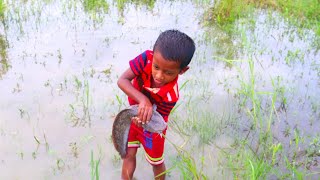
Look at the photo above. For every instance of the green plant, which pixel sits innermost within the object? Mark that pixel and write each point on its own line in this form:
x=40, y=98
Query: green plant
x=94, y=164
x=303, y=13
x=186, y=164
x=2, y=9
x=81, y=117
x=4, y=64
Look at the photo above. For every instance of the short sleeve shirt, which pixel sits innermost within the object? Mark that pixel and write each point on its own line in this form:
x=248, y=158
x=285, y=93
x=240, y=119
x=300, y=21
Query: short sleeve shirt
x=164, y=97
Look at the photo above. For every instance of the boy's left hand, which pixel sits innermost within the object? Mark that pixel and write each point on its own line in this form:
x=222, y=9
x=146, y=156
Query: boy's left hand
x=136, y=121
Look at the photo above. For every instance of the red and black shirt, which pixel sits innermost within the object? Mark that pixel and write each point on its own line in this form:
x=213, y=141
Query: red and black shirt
x=164, y=97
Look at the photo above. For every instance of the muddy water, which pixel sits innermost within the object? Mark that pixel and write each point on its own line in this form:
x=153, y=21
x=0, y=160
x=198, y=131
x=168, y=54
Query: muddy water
x=58, y=81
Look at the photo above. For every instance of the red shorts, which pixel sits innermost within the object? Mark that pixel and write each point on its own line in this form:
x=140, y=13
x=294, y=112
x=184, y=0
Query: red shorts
x=153, y=143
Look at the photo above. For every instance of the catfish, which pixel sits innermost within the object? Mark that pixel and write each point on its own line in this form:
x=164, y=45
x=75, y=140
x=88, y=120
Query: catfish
x=121, y=127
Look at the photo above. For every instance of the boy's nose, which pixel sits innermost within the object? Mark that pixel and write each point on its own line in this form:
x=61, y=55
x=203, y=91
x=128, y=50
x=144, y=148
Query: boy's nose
x=160, y=76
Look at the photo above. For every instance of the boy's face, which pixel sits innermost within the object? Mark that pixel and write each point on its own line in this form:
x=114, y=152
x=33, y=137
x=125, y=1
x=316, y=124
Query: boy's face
x=164, y=71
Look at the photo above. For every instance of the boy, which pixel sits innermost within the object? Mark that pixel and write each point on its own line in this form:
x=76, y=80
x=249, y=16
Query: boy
x=154, y=76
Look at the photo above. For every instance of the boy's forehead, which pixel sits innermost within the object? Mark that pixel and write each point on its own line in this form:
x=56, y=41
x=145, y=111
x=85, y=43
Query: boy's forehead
x=158, y=59
x=166, y=64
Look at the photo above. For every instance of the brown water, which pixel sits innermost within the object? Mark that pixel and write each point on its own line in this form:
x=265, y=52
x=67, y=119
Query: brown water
x=58, y=92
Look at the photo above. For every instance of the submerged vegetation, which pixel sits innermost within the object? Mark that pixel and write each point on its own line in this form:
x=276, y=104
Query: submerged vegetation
x=4, y=64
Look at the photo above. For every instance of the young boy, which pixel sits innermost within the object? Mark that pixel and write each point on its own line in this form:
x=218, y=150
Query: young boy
x=154, y=75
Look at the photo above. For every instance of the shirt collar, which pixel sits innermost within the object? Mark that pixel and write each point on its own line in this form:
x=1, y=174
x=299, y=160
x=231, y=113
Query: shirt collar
x=162, y=91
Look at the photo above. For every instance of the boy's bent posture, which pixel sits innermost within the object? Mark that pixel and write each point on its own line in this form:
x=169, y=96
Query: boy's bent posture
x=154, y=76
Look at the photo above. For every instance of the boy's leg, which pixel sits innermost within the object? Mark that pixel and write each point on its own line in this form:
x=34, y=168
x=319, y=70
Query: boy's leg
x=153, y=144
x=158, y=169
x=129, y=164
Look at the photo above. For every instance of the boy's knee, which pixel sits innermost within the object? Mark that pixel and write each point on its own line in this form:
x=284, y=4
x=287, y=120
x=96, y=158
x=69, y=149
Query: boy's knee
x=158, y=166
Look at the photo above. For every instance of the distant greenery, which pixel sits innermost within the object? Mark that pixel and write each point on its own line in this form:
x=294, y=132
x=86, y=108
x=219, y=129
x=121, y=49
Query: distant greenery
x=225, y=12
x=148, y=3
x=95, y=5
x=2, y=9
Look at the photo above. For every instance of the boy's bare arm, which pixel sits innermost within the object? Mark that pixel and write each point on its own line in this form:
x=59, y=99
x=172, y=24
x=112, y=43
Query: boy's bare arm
x=145, y=106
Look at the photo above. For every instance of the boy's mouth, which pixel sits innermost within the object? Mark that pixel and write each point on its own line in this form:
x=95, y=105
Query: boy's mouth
x=158, y=83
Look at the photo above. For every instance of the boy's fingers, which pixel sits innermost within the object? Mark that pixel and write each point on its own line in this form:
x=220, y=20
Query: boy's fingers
x=144, y=113
x=141, y=114
x=149, y=116
x=136, y=121
x=144, y=117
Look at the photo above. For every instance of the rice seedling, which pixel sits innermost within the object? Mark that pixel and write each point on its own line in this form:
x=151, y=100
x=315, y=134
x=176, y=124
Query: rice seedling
x=59, y=56
x=258, y=155
x=120, y=102
x=4, y=64
x=275, y=149
x=94, y=164
x=44, y=142
x=186, y=164
x=279, y=94
x=121, y=3
x=197, y=121
x=74, y=149
x=94, y=6
x=81, y=117
x=293, y=173
x=2, y=10
x=24, y=114
x=116, y=160
x=60, y=164
x=21, y=155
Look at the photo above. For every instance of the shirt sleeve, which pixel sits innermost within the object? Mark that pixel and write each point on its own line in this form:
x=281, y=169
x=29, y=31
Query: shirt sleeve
x=138, y=63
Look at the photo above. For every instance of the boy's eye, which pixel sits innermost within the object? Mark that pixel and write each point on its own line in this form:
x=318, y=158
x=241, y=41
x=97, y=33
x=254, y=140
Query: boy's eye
x=156, y=67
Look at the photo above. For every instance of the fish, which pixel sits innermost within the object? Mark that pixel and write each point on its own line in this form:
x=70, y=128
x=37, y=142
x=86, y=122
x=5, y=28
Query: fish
x=121, y=127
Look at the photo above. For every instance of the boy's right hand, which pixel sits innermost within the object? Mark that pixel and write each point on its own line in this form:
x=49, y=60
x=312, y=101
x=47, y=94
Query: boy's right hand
x=144, y=111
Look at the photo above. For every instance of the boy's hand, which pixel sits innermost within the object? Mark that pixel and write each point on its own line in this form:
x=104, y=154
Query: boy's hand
x=136, y=121
x=145, y=111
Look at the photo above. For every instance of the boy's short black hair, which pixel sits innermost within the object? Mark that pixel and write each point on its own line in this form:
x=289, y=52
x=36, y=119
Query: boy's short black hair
x=175, y=46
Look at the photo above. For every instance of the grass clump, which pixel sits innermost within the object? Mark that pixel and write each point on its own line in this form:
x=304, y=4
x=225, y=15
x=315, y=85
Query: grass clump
x=258, y=153
x=4, y=65
x=95, y=6
x=94, y=164
x=121, y=4
x=2, y=9
x=303, y=13
x=96, y=9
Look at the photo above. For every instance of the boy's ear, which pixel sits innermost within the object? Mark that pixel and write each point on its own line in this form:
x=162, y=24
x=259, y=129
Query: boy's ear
x=185, y=69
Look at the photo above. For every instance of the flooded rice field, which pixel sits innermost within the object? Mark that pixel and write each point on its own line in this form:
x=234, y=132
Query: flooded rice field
x=250, y=99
